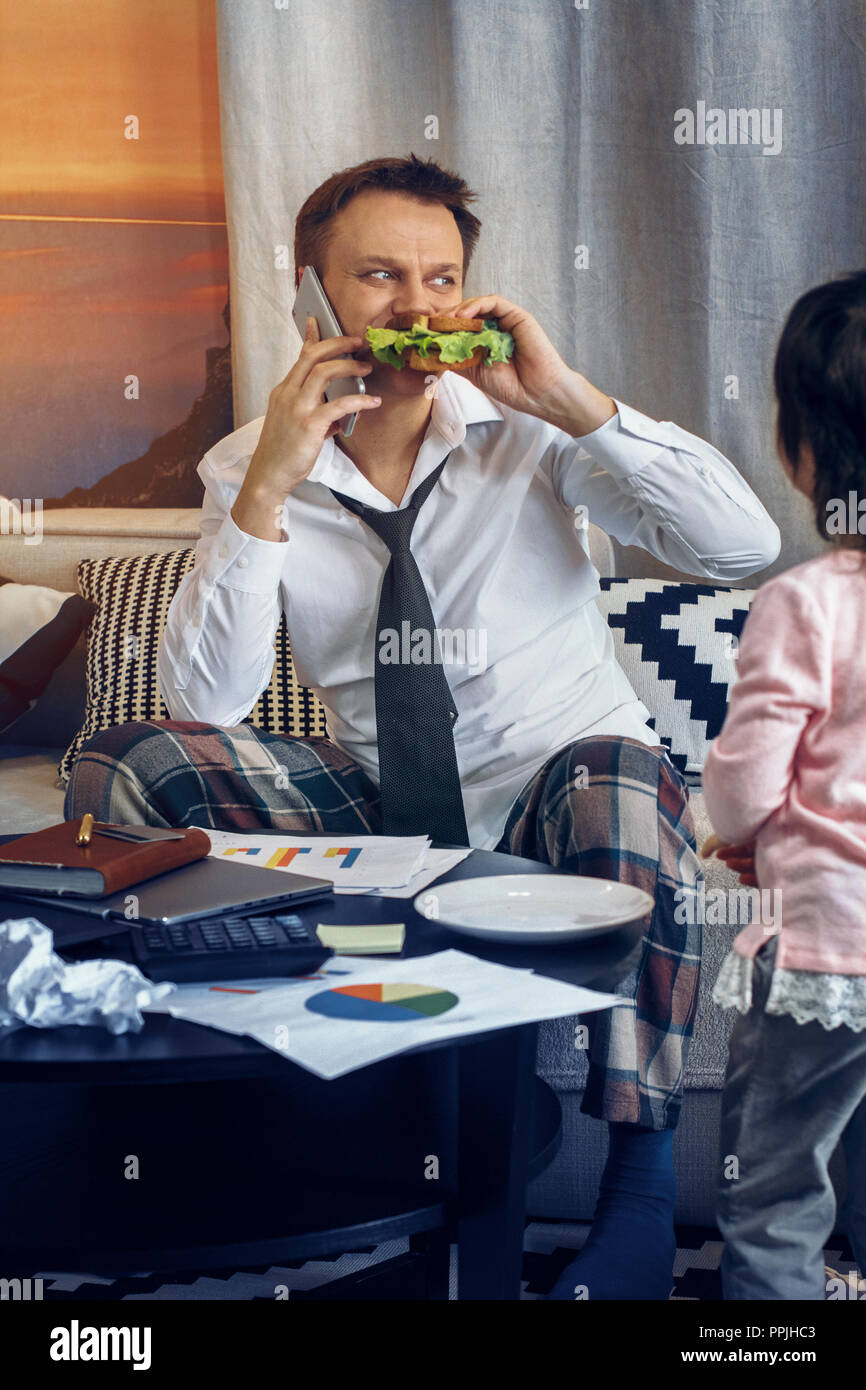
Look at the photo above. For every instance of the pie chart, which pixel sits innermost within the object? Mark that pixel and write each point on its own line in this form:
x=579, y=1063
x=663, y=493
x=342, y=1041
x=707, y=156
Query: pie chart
x=392, y=1003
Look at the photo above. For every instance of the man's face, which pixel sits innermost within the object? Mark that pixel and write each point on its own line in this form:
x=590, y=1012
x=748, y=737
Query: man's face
x=392, y=254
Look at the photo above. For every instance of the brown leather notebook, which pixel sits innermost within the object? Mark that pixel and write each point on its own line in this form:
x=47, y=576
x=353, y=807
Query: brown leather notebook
x=49, y=861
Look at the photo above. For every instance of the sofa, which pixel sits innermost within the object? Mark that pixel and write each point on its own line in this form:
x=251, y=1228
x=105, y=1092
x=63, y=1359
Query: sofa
x=31, y=796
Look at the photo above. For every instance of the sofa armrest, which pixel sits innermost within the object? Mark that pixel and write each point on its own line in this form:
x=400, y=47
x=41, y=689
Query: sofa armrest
x=71, y=534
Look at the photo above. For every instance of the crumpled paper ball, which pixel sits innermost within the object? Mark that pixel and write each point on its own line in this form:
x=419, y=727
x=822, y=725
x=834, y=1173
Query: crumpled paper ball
x=40, y=989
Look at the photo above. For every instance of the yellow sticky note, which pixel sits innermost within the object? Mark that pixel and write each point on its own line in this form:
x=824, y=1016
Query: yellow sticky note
x=382, y=938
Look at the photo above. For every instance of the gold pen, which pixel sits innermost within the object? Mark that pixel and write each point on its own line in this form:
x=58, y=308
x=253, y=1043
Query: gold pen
x=85, y=830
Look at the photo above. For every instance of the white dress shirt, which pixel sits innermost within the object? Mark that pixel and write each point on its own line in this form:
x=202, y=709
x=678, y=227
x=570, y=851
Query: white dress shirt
x=503, y=563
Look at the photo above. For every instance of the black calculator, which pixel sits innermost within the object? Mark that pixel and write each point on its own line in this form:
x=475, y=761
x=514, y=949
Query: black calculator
x=236, y=947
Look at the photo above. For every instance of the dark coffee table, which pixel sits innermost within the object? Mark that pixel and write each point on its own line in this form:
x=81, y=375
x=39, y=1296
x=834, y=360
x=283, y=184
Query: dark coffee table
x=185, y=1148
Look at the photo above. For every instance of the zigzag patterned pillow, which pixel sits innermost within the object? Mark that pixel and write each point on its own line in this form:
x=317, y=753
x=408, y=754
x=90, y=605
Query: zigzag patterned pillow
x=677, y=644
x=132, y=595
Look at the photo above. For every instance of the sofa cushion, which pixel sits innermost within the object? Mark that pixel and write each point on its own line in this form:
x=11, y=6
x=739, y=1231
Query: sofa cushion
x=67, y=535
x=677, y=644
x=131, y=595
x=38, y=629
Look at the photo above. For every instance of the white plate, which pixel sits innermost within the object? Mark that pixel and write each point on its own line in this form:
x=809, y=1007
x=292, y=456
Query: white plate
x=537, y=908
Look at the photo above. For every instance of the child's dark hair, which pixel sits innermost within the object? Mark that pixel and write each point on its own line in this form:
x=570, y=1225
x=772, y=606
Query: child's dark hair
x=820, y=380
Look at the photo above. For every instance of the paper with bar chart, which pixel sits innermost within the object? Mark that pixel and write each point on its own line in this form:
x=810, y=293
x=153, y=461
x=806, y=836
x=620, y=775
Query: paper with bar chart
x=400, y=865
x=352, y=861
x=351, y=1013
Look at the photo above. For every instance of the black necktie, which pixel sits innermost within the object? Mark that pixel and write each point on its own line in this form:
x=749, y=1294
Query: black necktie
x=419, y=781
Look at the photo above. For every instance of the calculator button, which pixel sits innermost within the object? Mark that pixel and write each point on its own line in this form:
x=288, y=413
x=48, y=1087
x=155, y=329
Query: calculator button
x=265, y=936
x=240, y=936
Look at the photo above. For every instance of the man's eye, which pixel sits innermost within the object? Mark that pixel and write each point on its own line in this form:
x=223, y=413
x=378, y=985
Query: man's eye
x=446, y=279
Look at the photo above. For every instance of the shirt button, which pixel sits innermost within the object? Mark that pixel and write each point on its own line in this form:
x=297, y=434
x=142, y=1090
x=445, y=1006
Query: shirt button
x=705, y=472
x=243, y=562
x=224, y=550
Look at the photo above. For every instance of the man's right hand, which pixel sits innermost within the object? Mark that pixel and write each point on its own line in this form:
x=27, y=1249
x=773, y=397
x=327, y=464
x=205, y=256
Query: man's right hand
x=297, y=423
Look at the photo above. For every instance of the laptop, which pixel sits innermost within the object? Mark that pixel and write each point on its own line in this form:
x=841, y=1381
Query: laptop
x=205, y=888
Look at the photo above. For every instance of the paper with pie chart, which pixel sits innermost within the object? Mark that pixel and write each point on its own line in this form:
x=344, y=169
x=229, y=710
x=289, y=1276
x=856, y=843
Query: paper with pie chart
x=351, y=1013
x=383, y=1003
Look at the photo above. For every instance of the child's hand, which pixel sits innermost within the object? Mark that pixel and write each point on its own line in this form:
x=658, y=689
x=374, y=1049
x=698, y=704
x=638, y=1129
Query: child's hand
x=740, y=858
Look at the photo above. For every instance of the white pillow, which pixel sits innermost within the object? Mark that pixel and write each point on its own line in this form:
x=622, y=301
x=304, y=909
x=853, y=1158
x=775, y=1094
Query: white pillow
x=38, y=629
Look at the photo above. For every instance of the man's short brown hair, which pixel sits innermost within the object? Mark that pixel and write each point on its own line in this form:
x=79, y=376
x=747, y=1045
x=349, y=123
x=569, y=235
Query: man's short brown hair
x=417, y=178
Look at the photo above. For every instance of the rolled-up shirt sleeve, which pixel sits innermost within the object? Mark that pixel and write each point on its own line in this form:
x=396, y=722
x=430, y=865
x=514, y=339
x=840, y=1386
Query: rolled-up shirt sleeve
x=652, y=484
x=217, y=650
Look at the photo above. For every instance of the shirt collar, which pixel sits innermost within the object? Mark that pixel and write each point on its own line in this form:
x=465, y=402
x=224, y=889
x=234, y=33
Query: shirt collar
x=456, y=404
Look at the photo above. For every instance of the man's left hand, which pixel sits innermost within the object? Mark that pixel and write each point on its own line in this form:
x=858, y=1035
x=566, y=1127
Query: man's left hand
x=536, y=380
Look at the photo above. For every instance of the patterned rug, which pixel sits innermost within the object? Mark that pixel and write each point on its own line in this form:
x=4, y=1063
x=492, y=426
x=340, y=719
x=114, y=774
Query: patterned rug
x=547, y=1250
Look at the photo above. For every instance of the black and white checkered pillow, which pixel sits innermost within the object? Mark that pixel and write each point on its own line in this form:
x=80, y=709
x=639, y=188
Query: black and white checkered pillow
x=677, y=644
x=132, y=595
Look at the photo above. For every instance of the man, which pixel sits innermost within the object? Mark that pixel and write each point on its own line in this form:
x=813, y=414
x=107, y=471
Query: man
x=549, y=754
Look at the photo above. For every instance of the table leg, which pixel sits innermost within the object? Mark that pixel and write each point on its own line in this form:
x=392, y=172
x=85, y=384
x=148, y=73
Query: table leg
x=495, y=1125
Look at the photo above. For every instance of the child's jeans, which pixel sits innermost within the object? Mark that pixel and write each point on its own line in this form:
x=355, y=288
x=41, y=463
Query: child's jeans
x=792, y=1090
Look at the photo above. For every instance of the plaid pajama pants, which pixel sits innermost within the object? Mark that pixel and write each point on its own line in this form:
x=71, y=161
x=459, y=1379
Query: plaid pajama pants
x=605, y=806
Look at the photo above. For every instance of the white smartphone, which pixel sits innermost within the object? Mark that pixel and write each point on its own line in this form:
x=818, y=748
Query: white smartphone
x=311, y=300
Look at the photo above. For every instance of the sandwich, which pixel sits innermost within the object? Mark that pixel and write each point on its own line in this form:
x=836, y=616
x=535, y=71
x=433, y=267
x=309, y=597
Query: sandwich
x=438, y=343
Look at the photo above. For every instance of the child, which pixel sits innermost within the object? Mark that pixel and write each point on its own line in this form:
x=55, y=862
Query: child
x=788, y=776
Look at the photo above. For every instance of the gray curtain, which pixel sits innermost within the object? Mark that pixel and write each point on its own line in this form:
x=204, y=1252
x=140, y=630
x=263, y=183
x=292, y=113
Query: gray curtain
x=568, y=119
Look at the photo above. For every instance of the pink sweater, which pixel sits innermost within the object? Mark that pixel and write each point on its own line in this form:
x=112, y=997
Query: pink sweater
x=790, y=762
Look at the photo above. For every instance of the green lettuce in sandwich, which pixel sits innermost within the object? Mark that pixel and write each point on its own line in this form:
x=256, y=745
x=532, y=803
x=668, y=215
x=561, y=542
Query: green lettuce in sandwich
x=438, y=343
